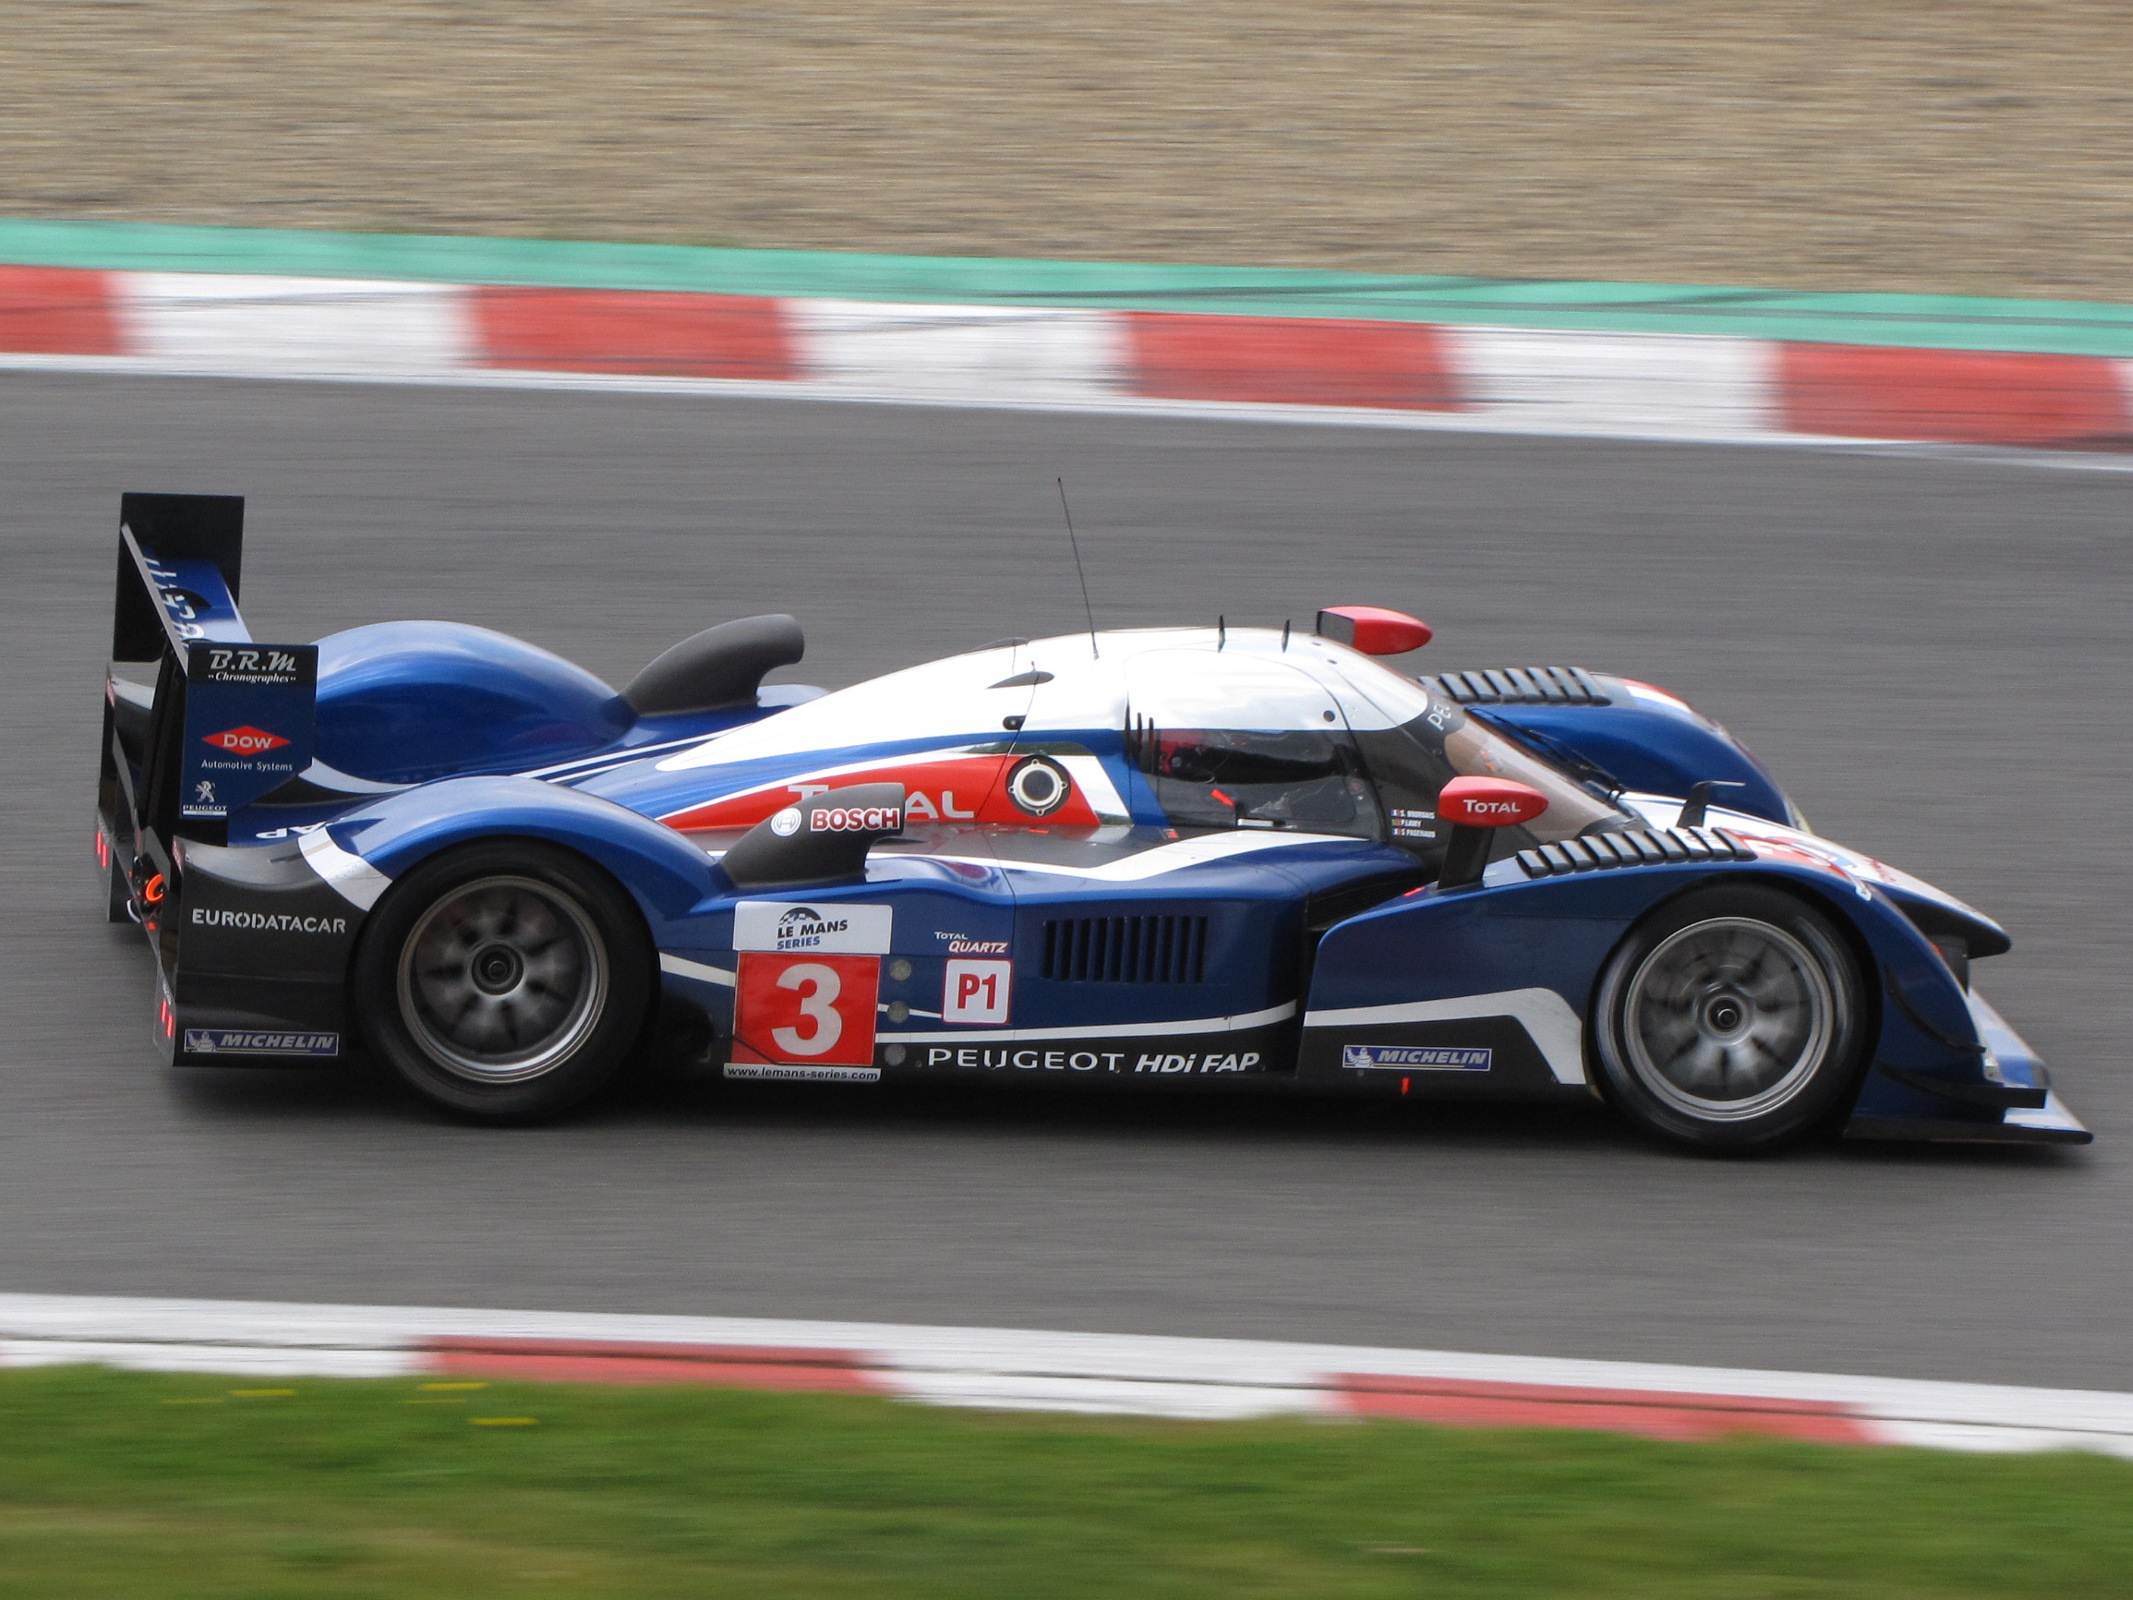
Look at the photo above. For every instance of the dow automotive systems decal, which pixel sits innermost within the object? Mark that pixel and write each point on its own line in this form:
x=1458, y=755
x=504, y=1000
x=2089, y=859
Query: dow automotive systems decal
x=249, y=721
x=245, y=741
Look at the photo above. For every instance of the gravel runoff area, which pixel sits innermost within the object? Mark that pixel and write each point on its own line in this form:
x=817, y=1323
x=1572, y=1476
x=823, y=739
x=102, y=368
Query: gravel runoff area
x=1945, y=145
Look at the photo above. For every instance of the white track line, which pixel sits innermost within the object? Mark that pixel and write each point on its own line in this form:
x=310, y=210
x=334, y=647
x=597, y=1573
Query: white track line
x=1013, y=1369
x=1507, y=424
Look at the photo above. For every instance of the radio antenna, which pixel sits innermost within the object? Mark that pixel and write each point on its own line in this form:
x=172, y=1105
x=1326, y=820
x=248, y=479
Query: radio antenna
x=1074, y=544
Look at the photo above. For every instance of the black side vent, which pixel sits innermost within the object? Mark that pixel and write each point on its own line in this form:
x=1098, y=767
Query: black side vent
x=1521, y=686
x=1635, y=847
x=1170, y=949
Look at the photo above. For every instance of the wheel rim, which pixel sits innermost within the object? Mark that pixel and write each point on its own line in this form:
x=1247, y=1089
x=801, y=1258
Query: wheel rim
x=1728, y=1019
x=502, y=979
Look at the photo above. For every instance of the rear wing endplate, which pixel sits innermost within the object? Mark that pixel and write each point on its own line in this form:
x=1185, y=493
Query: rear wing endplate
x=233, y=718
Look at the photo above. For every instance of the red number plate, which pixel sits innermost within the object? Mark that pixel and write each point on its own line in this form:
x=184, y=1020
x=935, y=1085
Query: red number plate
x=799, y=1006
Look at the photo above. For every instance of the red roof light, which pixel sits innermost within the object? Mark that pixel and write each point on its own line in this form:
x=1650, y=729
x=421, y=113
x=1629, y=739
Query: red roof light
x=1374, y=630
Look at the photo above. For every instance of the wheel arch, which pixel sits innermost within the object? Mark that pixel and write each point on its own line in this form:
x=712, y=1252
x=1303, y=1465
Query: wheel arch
x=587, y=890
x=1813, y=896
x=1816, y=896
x=666, y=876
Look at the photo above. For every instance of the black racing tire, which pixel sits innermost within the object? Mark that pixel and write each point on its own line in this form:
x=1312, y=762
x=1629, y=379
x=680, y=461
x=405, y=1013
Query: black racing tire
x=1732, y=1019
x=506, y=981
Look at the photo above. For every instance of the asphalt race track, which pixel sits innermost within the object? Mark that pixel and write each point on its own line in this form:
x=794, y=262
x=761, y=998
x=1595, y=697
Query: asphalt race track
x=1931, y=650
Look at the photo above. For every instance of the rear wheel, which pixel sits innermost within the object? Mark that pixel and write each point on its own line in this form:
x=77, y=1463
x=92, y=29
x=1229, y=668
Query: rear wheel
x=1731, y=1019
x=504, y=981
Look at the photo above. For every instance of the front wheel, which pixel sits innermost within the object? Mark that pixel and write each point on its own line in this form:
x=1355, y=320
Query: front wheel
x=1730, y=1019
x=504, y=981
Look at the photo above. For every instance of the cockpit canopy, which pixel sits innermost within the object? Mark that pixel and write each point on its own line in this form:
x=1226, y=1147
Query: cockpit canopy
x=1234, y=727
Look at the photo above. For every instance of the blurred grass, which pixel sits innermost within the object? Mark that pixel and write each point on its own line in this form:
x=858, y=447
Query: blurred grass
x=1964, y=146
x=181, y=1487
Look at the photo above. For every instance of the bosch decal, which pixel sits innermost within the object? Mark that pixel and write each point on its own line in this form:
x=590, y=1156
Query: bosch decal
x=1415, y=1058
x=855, y=819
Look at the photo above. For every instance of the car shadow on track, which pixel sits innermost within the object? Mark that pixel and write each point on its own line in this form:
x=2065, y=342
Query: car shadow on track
x=669, y=1099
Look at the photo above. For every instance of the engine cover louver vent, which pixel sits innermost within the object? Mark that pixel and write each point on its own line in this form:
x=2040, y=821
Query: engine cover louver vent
x=1638, y=847
x=1521, y=686
x=1157, y=949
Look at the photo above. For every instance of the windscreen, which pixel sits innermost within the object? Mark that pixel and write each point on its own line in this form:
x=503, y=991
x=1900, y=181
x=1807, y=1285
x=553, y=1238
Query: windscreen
x=1434, y=741
x=1242, y=742
x=1306, y=779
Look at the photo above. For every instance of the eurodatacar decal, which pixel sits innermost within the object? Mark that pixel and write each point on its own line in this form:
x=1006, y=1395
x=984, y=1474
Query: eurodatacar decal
x=1415, y=1058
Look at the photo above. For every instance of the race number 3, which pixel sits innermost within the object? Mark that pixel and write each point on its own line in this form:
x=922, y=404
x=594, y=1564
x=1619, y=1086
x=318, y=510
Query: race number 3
x=976, y=991
x=803, y=1006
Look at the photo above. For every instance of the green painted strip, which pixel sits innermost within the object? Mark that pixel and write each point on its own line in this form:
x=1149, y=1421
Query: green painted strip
x=2069, y=327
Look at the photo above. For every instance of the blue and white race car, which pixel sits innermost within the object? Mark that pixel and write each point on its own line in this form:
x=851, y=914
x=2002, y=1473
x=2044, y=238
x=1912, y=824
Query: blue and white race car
x=1192, y=858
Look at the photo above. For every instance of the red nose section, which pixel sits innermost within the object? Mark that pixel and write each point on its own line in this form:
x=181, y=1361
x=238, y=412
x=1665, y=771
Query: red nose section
x=1489, y=803
x=1374, y=630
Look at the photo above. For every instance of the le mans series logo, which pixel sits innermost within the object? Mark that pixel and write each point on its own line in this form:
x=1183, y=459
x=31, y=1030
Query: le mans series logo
x=805, y=928
x=782, y=925
x=1415, y=1058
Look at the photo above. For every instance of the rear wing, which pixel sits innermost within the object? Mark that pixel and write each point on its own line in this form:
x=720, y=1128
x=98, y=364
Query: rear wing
x=232, y=719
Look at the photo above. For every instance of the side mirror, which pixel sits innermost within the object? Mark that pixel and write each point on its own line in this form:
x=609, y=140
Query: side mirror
x=1476, y=808
x=823, y=839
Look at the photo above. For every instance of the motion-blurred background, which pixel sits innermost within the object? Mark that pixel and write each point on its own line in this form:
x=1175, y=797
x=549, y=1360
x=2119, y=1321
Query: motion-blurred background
x=1925, y=145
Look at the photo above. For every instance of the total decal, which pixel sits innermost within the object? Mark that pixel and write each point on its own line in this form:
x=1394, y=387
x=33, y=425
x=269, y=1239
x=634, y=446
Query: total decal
x=807, y=986
x=990, y=787
x=961, y=944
